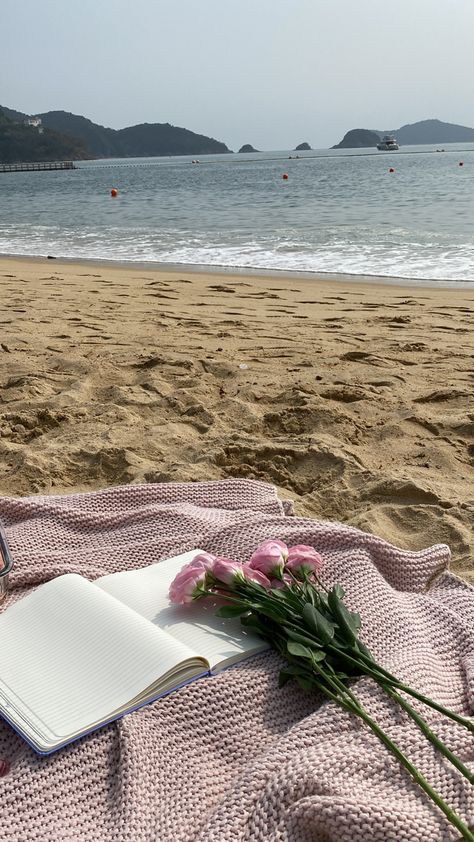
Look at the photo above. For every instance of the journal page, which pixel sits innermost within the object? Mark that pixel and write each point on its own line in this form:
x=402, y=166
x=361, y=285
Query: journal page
x=71, y=655
x=220, y=641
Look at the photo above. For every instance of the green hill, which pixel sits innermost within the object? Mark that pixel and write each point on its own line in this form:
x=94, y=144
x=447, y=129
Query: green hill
x=423, y=132
x=20, y=143
x=145, y=140
x=99, y=141
x=16, y=116
x=433, y=131
x=150, y=139
x=358, y=139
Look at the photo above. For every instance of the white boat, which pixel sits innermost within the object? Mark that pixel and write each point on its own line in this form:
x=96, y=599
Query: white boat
x=388, y=143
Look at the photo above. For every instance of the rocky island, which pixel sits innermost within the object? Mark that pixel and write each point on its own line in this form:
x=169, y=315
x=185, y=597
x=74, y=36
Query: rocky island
x=247, y=147
x=302, y=147
x=358, y=139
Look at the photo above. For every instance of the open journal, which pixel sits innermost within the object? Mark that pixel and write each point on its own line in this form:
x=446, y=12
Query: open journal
x=75, y=654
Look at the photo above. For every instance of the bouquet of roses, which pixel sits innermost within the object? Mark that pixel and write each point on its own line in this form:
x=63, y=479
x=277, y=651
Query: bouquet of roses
x=279, y=595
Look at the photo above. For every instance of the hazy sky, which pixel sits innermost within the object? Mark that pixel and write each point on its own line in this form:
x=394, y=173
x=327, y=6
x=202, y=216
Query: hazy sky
x=272, y=73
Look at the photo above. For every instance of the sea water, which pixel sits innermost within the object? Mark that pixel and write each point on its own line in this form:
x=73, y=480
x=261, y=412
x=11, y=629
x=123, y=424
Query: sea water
x=339, y=211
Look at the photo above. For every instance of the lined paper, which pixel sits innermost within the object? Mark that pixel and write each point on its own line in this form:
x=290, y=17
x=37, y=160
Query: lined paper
x=71, y=655
x=220, y=641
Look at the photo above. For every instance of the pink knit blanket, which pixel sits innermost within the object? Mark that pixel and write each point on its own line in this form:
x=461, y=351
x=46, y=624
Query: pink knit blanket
x=234, y=757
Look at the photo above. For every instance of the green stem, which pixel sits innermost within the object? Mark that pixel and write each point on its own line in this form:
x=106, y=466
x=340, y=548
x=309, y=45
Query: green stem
x=419, y=779
x=320, y=583
x=426, y=730
x=379, y=674
x=369, y=667
x=296, y=582
x=424, y=727
x=328, y=681
x=413, y=771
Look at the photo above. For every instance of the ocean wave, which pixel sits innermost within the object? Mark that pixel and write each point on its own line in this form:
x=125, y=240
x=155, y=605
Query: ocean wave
x=393, y=258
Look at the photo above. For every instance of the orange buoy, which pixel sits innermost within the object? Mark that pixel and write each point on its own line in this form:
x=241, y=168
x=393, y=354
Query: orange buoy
x=285, y=176
x=391, y=169
x=114, y=192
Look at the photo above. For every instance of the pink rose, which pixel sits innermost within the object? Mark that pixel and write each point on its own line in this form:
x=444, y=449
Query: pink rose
x=269, y=558
x=255, y=576
x=303, y=560
x=232, y=572
x=227, y=571
x=188, y=584
x=203, y=560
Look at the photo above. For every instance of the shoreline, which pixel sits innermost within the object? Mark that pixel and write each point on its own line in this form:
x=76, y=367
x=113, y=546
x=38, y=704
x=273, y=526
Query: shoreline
x=354, y=399
x=246, y=271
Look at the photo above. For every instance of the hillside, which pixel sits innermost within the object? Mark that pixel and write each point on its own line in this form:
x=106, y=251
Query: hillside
x=433, y=131
x=21, y=144
x=147, y=139
x=423, y=132
x=358, y=139
x=16, y=116
x=150, y=139
x=99, y=141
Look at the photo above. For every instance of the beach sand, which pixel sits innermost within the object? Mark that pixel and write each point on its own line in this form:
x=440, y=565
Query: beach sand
x=355, y=400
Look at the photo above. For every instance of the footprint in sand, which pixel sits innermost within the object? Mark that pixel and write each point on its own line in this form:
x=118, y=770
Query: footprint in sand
x=298, y=469
x=220, y=288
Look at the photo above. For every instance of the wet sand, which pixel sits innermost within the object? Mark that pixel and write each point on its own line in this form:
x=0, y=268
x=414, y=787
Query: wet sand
x=356, y=400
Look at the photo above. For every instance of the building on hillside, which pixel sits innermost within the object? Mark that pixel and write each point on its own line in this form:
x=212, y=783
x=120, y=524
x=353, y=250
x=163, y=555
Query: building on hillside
x=35, y=123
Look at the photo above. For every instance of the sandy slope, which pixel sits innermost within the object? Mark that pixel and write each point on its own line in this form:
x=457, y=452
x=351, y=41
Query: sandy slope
x=356, y=400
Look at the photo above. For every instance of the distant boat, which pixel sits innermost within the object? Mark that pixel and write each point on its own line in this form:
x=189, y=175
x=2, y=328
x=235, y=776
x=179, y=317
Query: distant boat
x=388, y=143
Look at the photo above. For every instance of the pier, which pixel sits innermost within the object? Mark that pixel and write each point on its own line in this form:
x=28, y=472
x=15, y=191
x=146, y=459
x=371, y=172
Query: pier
x=38, y=166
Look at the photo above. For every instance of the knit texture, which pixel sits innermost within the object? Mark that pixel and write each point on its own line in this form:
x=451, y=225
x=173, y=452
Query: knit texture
x=233, y=757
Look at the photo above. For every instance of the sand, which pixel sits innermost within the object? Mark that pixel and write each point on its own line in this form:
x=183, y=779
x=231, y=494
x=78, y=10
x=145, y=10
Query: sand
x=355, y=400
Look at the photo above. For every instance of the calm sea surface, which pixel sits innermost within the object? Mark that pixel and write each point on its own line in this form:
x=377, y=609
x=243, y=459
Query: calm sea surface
x=337, y=212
